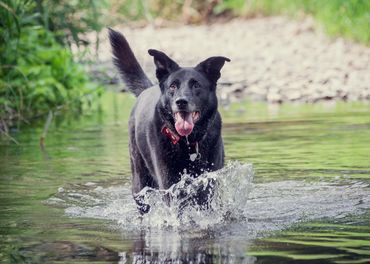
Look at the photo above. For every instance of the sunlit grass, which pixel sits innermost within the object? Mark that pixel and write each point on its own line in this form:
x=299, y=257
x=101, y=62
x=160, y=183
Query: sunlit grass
x=348, y=18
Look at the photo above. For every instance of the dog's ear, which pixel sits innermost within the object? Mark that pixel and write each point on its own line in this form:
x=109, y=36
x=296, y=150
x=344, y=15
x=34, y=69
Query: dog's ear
x=211, y=67
x=165, y=65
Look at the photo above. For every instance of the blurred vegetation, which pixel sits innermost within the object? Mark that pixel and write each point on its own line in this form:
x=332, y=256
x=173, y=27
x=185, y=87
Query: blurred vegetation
x=37, y=69
x=347, y=18
x=187, y=11
x=70, y=19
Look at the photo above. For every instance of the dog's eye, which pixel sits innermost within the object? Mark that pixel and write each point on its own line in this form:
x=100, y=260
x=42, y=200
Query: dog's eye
x=173, y=86
x=196, y=85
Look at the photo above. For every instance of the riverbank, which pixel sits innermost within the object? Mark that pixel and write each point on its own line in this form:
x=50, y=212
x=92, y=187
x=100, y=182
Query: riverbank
x=273, y=59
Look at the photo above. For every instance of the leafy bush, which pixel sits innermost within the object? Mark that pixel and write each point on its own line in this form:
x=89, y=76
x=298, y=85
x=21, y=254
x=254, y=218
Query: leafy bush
x=36, y=72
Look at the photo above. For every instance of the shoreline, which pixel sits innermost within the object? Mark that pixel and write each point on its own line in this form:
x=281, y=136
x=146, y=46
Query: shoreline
x=273, y=59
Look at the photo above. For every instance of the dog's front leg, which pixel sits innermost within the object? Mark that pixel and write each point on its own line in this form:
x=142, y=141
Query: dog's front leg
x=149, y=169
x=216, y=156
x=140, y=179
x=141, y=176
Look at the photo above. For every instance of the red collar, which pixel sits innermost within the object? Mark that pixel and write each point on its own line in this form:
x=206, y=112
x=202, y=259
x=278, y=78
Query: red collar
x=173, y=136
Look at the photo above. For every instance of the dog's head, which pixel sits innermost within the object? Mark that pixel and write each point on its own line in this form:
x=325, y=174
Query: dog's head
x=188, y=94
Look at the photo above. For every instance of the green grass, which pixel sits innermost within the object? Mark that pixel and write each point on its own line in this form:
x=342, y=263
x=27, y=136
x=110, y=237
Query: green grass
x=347, y=18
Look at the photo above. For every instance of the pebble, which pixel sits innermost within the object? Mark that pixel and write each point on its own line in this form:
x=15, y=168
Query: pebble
x=98, y=189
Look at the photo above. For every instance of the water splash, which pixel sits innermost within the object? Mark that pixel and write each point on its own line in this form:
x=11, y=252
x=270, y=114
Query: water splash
x=227, y=192
x=234, y=203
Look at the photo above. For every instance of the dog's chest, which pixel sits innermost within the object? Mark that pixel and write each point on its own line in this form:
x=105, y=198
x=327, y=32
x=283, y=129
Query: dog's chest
x=186, y=159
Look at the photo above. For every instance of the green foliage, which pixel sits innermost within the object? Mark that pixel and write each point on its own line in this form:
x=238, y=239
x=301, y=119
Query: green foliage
x=180, y=10
x=129, y=9
x=69, y=19
x=237, y=6
x=348, y=18
x=36, y=72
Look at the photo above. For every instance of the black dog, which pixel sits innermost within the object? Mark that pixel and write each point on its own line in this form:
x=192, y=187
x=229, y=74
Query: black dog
x=175, y=126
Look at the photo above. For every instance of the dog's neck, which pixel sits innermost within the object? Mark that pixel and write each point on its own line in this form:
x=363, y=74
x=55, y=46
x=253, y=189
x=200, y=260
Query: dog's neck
x=173, y=136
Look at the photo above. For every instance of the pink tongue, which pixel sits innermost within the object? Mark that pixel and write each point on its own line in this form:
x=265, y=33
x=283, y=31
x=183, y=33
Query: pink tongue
x=184, y=123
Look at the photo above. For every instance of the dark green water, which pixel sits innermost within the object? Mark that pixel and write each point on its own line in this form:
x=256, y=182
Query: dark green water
x=310, y=143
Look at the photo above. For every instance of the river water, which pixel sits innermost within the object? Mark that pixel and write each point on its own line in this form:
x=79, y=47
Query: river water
x=295, y=190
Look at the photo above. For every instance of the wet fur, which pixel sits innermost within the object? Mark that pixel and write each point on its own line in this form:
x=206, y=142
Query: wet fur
x=155, y=161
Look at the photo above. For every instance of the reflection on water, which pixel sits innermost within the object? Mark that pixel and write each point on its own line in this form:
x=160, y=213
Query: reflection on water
x=162, y=246
x=308, y=201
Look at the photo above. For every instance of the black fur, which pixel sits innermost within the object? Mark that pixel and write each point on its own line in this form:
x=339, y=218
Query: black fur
x=155, y=161
x=124, y=59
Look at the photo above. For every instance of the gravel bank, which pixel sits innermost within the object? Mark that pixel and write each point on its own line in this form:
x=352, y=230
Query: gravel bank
x=273, y=59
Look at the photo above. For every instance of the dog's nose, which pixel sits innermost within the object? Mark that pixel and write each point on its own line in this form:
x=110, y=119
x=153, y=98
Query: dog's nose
x=181, y=102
